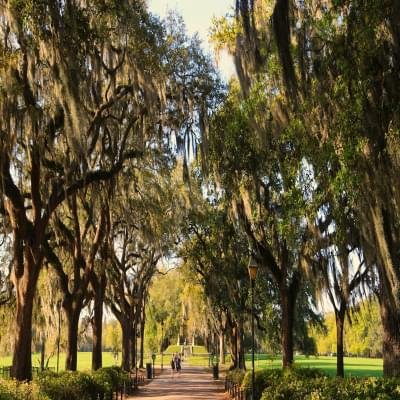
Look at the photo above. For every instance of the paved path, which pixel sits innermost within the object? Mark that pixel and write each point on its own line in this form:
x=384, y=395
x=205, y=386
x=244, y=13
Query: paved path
x=193, y=383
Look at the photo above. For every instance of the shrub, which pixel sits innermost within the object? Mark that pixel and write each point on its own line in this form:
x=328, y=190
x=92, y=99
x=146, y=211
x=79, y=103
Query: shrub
x=263, y=379
x=110, y=378
x=298, y=387
x=13, y=390
x=236, y=376
x=69, y=385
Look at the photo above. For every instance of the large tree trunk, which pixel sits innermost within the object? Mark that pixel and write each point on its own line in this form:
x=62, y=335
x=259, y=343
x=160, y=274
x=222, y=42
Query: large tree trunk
x=240, y=338
x=72, y=316
x=25, y=286
x=42, y=354
x=391, y=339
x=384, y=251
x=142, y=326
x=97, y=325
x=126, y=345
x=234, y=348
x=287, y=300
x=221, y=347
x=340, y=316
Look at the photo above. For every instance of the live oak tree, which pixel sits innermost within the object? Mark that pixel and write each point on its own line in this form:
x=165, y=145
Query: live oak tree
x=71, y=94
x=83, y=90
x=81, y=227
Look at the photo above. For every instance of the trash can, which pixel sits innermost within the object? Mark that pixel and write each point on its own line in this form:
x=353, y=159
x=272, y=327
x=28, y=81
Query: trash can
x=215, y=371
x=149, y=371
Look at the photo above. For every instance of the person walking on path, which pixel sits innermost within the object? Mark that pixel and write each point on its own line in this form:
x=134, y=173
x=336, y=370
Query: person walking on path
x=194, y=383
x=172, y=367
x=178, y=364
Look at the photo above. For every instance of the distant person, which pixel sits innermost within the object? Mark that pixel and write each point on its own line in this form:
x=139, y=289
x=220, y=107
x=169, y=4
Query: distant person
x=178, y=365
x=172, y=366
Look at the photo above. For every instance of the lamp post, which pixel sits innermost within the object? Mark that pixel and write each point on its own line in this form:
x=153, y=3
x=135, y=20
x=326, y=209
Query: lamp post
x=252, y=267
x=59, y=332
x=162, y=344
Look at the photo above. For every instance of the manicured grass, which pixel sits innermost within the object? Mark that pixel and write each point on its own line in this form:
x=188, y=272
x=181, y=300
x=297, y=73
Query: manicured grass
x=84, y=360
x=353, y=366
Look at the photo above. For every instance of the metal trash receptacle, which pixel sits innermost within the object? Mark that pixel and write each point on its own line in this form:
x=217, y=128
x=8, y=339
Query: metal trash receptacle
x=149, y=371
x=215, y=370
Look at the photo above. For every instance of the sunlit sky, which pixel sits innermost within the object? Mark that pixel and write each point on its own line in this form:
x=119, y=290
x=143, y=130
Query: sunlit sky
x=198, y=15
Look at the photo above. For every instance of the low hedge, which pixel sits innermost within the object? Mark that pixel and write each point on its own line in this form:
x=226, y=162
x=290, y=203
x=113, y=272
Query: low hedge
x=75, y=385
x=236, y=376
x=13, y=390
x=266, y=378
x=294, y=386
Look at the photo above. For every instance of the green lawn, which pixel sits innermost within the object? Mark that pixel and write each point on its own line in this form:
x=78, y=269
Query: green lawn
x=84, y=360
x=353, y=366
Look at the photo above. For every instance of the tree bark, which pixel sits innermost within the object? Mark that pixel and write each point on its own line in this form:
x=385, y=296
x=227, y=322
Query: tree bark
x=240, y=339
x=391, y=339
x=287, y=300
x=126, y=346
x=340, y=316
x=142, y=326
x=234, y=348
x=72, y=316
x=221, y=347
x=25, y=287
x=97, y=324
x=42, y=353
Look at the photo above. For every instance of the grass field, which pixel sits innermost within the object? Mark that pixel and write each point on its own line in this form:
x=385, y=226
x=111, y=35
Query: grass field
x=84, y=360
x=353, y=366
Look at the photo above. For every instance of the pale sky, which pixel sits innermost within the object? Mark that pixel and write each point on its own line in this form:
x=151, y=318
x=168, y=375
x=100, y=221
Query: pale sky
x=197, y=15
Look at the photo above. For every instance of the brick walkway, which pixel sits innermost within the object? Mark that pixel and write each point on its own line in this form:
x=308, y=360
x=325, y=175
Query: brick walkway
x=193, y=383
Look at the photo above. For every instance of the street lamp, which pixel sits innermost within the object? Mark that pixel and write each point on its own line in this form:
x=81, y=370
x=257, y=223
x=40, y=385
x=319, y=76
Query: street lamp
x=252, y=268
x=162, y=344
x=59, y=332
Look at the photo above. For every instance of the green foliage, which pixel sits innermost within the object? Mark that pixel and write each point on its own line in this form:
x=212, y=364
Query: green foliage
x=236, y=376
x=362, y=337
x=13, y=390
x=270, y=378
x=263, y=379
x=322, y=388
x=72, y=385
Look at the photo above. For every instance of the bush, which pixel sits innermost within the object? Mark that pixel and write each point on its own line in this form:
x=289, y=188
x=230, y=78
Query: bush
x=302, y=387
x=110, y=378
x=69, y=385
x=263, y=379
x=11, y=390
x=236, y=376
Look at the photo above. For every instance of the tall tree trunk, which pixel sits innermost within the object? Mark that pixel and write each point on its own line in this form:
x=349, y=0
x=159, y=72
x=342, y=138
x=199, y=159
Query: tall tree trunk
x=97, y=323
x=142, y=327
x=384, y=237
x=240, y=339
x=287, y=326
x=391, y=338
x=72, y=316
x=42, y=353
x=134, y=331
x=340, y=316
x=221, y=347
x=25, y=286
x=126, y=345
x=234, y=348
